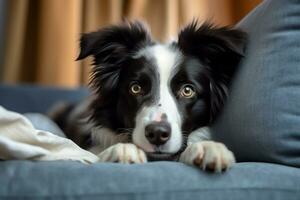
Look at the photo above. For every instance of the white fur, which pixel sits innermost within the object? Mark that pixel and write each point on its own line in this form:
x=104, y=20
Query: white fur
x=208, y=154
x=205, y=153
x=103, y=138
x=200, y=134
x=166, y=60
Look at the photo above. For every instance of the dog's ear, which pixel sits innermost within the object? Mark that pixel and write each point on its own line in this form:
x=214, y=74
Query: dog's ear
x=108, y=43
x=219, y=49
x=111, y=47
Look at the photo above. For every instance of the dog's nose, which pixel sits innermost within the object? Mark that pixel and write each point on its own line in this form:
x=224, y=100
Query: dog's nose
x=158, y=133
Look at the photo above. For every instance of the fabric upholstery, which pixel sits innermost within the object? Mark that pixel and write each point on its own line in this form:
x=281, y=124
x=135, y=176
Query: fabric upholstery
x=43, y=122
x=261, y=121
x=157, y=180
x=32, y=98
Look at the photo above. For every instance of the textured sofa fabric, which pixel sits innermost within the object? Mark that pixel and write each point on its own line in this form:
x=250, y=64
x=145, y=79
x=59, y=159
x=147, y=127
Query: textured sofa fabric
x=261, y=121
x=43, y=122
x=158, y=180
x=37, y=99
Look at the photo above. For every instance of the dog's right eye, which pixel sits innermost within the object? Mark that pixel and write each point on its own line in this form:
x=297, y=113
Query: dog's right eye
x=135, y=89
x=187, y=91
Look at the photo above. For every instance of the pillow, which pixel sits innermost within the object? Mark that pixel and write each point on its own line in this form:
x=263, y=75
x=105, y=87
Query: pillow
x=261, y=119
x=43, y=122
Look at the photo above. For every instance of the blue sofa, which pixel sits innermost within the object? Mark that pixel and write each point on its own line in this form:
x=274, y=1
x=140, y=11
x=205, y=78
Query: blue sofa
x=156, y=180
x=260, y=123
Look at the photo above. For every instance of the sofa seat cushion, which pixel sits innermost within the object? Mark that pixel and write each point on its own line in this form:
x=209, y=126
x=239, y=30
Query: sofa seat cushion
x=157, y=180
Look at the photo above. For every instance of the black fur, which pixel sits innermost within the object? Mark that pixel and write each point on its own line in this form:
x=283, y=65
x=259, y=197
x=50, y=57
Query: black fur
x=211, y=56
x=219, y=50
x=111, y=49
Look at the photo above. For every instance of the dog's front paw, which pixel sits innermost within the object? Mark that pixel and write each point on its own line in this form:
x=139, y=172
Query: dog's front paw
x=208, y=155
x=123, y=153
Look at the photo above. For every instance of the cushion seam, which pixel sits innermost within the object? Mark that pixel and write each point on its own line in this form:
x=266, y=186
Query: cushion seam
x=157, y=192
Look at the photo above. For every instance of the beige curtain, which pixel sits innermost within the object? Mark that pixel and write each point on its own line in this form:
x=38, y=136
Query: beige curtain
x=42, y=36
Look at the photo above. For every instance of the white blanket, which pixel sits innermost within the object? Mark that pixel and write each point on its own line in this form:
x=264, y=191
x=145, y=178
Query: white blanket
x=19, y=140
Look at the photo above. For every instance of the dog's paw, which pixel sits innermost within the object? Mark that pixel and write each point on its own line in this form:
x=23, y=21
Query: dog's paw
x=123, y=153
x=208, y=155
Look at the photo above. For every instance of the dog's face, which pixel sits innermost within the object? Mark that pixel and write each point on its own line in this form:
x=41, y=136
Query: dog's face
x=160, y=93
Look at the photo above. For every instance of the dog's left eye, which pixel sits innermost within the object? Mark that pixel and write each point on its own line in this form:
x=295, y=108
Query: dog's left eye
x=135, y=89
x=187, y=91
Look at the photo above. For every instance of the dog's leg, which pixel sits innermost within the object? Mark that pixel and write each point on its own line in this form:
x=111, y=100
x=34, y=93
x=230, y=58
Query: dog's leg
x=123, y=153
x=206, y=154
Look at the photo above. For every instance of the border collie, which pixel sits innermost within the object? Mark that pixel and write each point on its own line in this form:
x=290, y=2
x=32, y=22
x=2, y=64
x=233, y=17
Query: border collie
x=154, y=101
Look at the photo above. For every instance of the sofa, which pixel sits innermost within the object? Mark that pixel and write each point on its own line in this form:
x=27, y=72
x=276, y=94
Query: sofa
x=260, y=124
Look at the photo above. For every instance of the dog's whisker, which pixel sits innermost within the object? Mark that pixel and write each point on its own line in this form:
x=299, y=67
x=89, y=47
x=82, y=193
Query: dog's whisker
x=121, y=130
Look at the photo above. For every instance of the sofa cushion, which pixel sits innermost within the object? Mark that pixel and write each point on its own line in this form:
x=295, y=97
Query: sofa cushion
x=261, y=120
x=31, y=98
x=43, y=122
x=157, y=180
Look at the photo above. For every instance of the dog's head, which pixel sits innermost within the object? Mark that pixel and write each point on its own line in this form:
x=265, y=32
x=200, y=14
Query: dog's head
x=160, y=92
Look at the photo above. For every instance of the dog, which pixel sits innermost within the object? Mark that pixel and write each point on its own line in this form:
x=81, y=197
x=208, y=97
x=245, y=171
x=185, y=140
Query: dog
x=155, y=101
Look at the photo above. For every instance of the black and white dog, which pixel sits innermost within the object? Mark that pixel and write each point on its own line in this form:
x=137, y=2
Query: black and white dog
x=154, y=101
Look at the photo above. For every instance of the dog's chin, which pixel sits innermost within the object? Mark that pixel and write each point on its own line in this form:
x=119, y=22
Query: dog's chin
x=161, y=156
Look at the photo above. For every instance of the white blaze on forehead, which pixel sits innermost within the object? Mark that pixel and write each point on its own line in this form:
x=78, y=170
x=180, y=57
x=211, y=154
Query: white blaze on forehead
x=165, y=59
